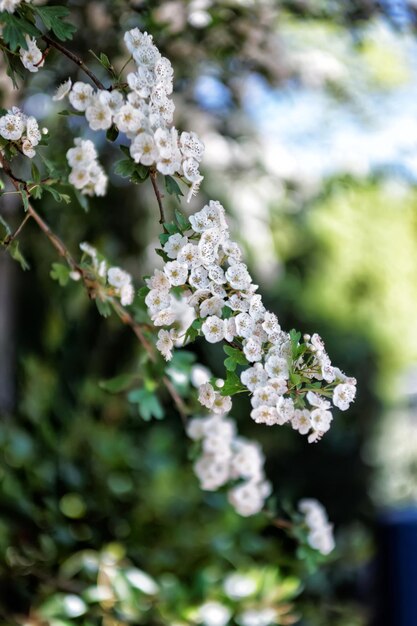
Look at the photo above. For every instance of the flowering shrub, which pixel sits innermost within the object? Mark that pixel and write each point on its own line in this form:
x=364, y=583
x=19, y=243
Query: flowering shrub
x=202, y=290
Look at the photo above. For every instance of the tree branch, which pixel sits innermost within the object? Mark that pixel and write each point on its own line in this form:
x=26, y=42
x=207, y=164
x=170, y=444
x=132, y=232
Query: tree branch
x=91, y=287
x=74, y=58
x=158, y=195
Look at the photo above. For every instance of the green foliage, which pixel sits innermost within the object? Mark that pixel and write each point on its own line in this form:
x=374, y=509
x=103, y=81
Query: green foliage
x=173, y=189
x=235, y=358
x=147, y=403
x=54, y=19
x=61, y=273
x=15, y=28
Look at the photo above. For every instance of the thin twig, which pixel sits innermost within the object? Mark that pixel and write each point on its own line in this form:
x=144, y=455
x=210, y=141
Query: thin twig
x=74, y=58
x=158, y=195
x=90, y=286
x=9, y=240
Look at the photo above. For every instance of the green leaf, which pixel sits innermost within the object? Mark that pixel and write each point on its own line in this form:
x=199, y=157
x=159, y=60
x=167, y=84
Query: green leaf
x=16, y=254
x=112, y=133
x=182, y=221
x=118, y=383
x=163, y=255
x=232, y=385
x=171, y=228
x=66, y=113
x=193, y=331
x=104, y=307
x=236, y=357
x=125, y=168
x=36, y=177
x=15, y=27
x=24, y=197
x=173, y=188
x=53, y=18
x=82, y=200
x=148, y=404
x=61, y=273
x=57, y=196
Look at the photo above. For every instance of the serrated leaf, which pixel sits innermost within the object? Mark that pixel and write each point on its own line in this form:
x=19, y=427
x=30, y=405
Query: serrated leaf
x=15, y=27
x=124, y=168
x=148, y=404
x=163, y=255
x=61, y=273
x=54, y=19
x=118, y=383
x=57, y=196
x=172, y=187
x=182, y=221
x=232, y=385
x=16, y=254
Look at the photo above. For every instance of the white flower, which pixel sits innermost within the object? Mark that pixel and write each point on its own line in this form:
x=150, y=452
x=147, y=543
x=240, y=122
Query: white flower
x=301, y=421
x=264, y=396
x=244, y=325
x=285, y=409
x=11, y=127
x=118, y=277
x=165, y=343
x=265, y=415
x=252, y=350
x=32, y=58
x=143, y=149
x=206, y=395
x=258, y=617
x=128, y=119
x=174, y=245
x=112, y=99
x=83, y=153
x=321, y=420
x=254, y=377
x=158, y=281
x=214, y=614
x=276, y=367
x=63, y=90
x=98, y=115
x=213, y=329
x=33, y=133
x=28, y=149
x=221, y=404
x=199, y=278
x=189, y=254
x=166, y=317
x=191, y=146
x=344, y=395
x=213, y=472
x=177, y=273
x=256, y=308
x=247, y=499
x=81, y=95
x=157, y=300
x=211, y=306
x=238, y=276
x=199, y=375
x=238, y=586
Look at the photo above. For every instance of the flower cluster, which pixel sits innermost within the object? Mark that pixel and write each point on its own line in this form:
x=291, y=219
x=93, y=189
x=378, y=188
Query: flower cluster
x=32, y=58
x=22, y=130
x=10, y=5
x=290, y=382
x=87, y=175
x=320, y=535
x=229, y=459
x=145, y=114
x=114, y=281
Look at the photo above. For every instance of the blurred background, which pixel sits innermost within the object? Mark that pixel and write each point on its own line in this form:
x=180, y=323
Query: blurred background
x=308, y=112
